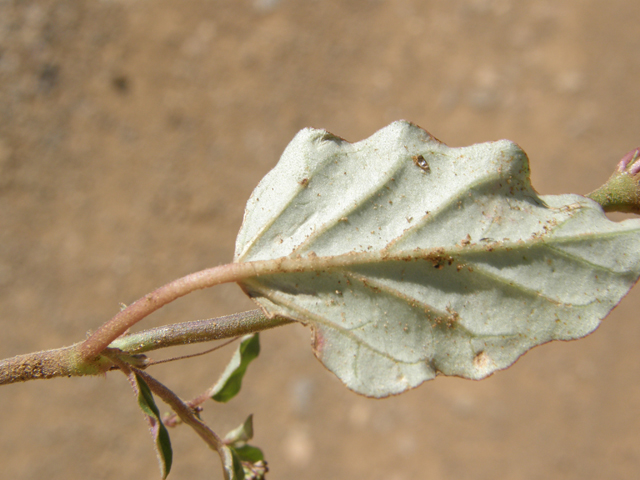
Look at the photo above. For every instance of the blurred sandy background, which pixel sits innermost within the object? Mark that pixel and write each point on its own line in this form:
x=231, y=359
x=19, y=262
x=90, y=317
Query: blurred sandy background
x=131, y=135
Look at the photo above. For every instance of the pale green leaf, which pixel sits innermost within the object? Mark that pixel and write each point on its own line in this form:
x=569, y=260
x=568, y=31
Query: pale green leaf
x=230, y=382
x=242, y=433
x=428, y=259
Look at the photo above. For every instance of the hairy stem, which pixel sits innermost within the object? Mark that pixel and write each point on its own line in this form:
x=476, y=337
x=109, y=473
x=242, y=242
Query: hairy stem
x=60, y=362
x=67, y=362
x=198, y=331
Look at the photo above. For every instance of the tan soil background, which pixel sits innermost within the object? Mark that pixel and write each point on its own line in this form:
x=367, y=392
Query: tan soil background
x=133, y=132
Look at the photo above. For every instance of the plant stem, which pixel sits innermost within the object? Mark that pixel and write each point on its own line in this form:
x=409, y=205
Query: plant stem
x=151, y=302
x=67, y=362
x=182, y=410
x=198, y=331
x=188, y=417
x=59, y=362
x=231, y=272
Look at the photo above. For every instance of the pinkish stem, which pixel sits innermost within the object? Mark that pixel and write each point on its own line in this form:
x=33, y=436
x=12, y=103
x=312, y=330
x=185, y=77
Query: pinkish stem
x=151, y=302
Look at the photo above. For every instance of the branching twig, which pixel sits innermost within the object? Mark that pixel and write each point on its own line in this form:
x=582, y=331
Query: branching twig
x=198, y=331
x=66, y=362
x=183, y=411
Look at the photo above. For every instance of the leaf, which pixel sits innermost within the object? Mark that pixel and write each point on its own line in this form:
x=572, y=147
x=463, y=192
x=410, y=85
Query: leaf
x=252, y=461
x=243, y=433
x=156, y=427
x=230, y=381
x=248, y=453
x=410, y=259
x=250, y=457
x=231, y=464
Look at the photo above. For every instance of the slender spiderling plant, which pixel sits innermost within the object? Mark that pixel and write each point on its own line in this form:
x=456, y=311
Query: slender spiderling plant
x=407, y=259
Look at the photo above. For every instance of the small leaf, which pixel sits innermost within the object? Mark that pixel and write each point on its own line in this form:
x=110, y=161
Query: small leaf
x=243, y=433
x=230, y=382
x=252, y=461
x=248, y=453
x=410, y=259
x=156, y=427
x=252, y=458
x=231, y=464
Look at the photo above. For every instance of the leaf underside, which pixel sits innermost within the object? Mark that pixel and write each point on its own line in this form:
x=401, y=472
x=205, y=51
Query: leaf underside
x=438, y=260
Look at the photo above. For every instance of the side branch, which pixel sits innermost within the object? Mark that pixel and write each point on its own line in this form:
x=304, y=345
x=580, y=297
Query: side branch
x=198, y=331
x=183, y=411
x=67, y=361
